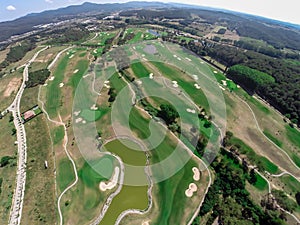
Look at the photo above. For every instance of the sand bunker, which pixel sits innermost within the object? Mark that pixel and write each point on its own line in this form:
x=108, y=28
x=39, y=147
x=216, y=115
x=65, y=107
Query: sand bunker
x=51, y=78
x=139, y=82
x=147, y=222
x=71, y=56
x=112, y=183
x=77, y=113
x=78, y=120
x=83, y=121
x=94, y=107
x=188, y=59
x=197, y=86
x=215, y=71
x=175, y=83
x=151, y=75
x=190, y=191
x=224, y=82
x=191, y=110
x=195, y=77
x=107, y=86
x=75, y=71
x=45, y=85
x=221, y=88
x=85, y=76
x=196, y=172
x=61, y=85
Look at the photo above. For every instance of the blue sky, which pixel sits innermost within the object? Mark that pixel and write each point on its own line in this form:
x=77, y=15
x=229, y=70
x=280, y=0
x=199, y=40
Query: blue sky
x=287, y=10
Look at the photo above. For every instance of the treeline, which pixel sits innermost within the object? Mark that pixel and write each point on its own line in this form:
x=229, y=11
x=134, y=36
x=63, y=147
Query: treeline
x=161, y=14
x=17, y=52
x=229, y=201
x=37, y=78
x=253, y=80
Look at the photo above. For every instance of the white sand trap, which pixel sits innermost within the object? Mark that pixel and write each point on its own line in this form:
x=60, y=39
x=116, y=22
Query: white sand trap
x=202, y=62
x=147, y=222
x=78, y=120
x=195, y=77
x=175, y=85
x=215, y=71
x=190, y=191
x=151, y=75
x=61, y=85
x=112, y=183
x=51, y=78
x=95, y=51
x=85, y=76
x=221, y=87
x=175, y=56
x=179, y=58
x=71, y=56
x=45, y=85
x=94, y=107
x=77, y=113
x=238, y=86
x=197, y=86
x=193, y=111
x=106, y=82
x=196, y=172
x=139, y=82
x=188, y=59
x=224, y=82
x=143, y=55
x=83, y=121
x=134, y=47
x=75, y=71
x=107, y=86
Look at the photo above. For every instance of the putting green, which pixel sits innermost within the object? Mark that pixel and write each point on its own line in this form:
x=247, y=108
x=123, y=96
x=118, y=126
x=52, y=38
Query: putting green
x=91, y=115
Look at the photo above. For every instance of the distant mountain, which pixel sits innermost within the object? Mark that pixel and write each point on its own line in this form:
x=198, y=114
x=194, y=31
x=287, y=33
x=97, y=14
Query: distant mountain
x=26, y=23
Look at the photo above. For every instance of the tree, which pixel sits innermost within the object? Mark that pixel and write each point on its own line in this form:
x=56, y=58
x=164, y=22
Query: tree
x=252, y=178
x=168, y=113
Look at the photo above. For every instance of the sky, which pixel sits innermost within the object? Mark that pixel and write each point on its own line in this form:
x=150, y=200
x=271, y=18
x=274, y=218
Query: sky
x=284, y=10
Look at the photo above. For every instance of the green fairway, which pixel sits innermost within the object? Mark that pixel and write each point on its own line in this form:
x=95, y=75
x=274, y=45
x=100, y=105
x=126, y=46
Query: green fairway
x=65, y=174
x=293, y=135
x=53, y=90
x=268, y=165
x=272, y=138
x=81, y=68
x=58, y=134
x=140, y=70
x=173, y=74
x=292, y=184
x=92, y=178
x=92, y=115
x=261, y=184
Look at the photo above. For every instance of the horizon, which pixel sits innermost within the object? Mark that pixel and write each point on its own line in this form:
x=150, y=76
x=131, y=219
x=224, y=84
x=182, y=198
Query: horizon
x=16, y=9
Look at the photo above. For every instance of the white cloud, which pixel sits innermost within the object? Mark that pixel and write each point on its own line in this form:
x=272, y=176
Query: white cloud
x=11, y=8
x=49, y=1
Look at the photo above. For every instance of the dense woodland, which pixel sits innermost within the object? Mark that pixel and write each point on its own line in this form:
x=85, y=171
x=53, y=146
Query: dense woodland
x=37, y=78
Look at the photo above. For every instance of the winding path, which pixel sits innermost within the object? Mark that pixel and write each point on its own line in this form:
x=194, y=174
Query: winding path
x=18, y=197
x=65, y=143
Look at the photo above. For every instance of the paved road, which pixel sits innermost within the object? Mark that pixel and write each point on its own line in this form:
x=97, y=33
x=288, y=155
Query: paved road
x=17, y=205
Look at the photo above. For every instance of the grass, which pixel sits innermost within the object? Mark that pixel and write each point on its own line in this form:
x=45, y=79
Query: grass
x=272, y=138
x=58, y=134
x=261, y=184
x=140, y=70
x=65, y=174
x=82, y=67
x=173, y=74
x=293, y=135
x=53, y=96
x=268, y=165
x=292, y=184
x=92, y=115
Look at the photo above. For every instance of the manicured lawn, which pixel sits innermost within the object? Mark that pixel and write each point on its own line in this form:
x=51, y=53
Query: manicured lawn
x=58, y=134
x=53, y=89
x=269, y=166
x=82, y=67
x=272, y=138
x=261, y=184
x=291, y=183
x=92, y=115
x=65, y=174
x=140, y=70
x=293, y=135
